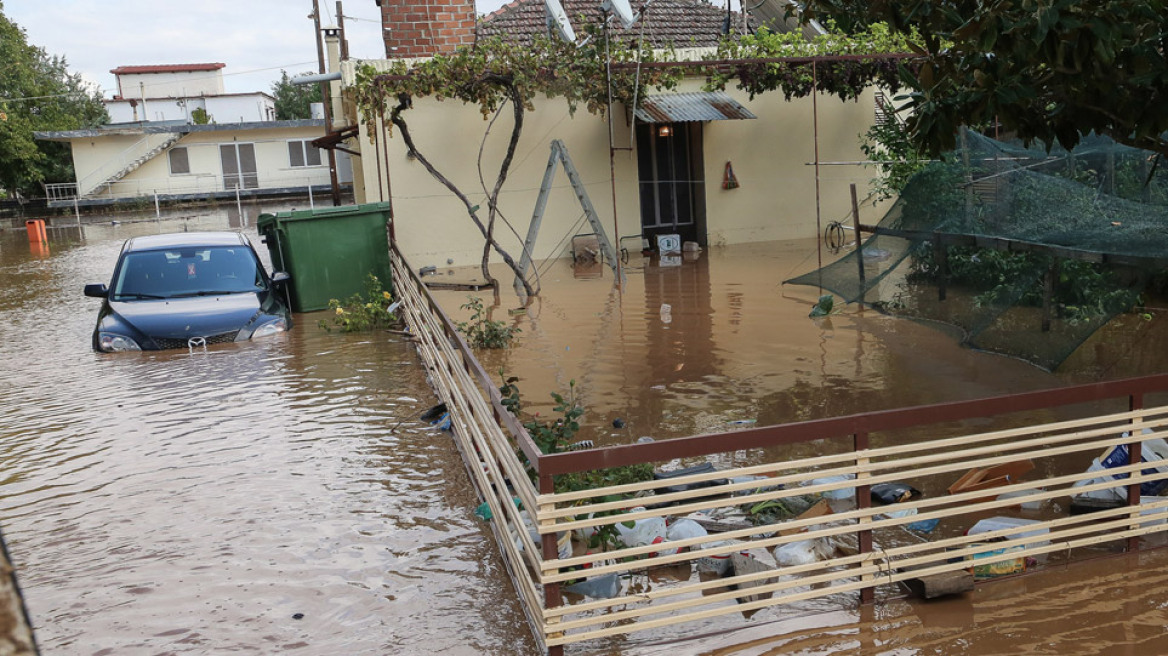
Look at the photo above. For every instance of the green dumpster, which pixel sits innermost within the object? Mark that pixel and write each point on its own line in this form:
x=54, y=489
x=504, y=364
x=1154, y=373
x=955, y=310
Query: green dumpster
x=329, y=252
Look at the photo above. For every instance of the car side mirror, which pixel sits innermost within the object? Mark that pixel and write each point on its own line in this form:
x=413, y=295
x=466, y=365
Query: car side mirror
x=280, y=277
x=96, y=290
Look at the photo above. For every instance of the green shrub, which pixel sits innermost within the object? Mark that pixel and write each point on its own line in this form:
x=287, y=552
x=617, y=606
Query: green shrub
x=481, y=332
x=362, y=312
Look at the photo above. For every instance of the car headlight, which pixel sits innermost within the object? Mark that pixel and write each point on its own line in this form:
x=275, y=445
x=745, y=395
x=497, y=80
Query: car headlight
x=270, y=328
x=113, y=342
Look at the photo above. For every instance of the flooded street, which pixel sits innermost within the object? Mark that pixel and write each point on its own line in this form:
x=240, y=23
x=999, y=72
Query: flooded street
x=282, y=496
x=199, y=503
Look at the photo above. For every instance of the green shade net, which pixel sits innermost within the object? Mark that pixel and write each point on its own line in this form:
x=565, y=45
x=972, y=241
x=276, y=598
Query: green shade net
x=1029, y=252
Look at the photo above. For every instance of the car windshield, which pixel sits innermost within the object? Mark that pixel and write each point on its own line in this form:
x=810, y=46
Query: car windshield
x=192, y=271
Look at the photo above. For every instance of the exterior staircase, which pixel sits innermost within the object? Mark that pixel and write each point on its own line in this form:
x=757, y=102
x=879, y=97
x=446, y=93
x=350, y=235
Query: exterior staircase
x=131, y=165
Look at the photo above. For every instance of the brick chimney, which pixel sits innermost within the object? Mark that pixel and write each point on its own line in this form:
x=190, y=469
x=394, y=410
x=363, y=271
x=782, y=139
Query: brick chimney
x=422, y=28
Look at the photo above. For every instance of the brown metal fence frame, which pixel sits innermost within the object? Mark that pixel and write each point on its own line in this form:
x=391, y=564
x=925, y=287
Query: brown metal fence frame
x=494, y=468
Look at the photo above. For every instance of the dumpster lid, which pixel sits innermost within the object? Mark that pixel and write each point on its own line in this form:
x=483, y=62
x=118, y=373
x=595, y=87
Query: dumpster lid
x=323, y=213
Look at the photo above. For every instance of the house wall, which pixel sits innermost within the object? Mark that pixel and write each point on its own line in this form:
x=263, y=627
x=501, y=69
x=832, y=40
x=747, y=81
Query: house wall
x=776, y=199
x=232, y=108
x=170, y=85
x=93, y=157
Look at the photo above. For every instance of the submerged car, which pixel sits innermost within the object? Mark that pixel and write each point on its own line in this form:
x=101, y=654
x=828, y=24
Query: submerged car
x=186, y=290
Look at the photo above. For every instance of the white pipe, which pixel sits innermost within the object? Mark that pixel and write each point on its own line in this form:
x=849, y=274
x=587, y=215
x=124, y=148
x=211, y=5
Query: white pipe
x=316, y=79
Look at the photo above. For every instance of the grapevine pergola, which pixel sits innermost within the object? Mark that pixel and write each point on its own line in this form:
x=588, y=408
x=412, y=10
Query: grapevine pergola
x=495, y=74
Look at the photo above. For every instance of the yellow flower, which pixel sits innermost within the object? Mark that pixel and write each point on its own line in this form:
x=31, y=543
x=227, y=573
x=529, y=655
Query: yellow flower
x=340, y=310
x=386, y=295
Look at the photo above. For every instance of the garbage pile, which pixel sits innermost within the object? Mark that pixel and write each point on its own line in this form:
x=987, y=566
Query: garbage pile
x=991, y=559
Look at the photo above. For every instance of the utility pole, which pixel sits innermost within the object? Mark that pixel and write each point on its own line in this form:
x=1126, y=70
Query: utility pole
x=324, y=96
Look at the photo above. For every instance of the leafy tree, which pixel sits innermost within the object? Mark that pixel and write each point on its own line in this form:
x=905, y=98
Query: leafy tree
x=1049, y=70
x=37, y=93
x=294, y=101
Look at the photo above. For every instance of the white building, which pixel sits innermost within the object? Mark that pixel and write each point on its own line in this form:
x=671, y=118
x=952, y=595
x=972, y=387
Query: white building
x=174, y=134
x=172, y=92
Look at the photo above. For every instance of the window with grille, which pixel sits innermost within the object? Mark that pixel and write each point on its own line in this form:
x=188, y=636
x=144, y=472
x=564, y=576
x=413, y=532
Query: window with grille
x=179, y=162
x=302, y=153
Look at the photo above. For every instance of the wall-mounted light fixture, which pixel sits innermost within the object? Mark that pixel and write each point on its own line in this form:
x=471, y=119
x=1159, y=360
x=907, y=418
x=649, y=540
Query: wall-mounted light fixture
x=665, y=131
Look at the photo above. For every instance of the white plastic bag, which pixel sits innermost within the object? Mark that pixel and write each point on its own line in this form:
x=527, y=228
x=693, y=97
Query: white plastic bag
x=842, y=493
x=643, y=531
x=804, y=552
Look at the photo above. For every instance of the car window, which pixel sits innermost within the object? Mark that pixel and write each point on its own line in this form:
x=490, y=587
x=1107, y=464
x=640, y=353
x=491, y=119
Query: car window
x=188, y=272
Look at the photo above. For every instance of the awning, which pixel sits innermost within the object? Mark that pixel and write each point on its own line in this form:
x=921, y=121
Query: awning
x=683, y=107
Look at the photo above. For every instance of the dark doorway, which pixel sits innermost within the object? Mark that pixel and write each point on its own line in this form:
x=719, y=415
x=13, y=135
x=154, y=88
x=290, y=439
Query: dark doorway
x=673, y=191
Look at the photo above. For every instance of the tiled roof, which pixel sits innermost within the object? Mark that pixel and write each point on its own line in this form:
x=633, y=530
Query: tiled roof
x=166, y=68
x=680, y=23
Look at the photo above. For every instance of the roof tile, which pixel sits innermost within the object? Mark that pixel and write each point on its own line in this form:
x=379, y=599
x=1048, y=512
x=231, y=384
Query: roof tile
x=678, y=23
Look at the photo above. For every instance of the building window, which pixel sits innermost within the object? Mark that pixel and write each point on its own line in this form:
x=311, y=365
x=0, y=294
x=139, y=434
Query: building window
x=178, y=161
x=302, y=153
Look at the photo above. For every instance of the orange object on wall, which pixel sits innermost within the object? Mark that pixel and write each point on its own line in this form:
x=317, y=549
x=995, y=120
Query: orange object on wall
x=36, y=231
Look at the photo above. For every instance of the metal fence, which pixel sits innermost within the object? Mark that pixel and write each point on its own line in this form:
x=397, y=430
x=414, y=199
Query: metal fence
x=859, y=546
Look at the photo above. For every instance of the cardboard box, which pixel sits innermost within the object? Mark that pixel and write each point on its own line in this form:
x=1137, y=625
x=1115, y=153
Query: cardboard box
x=984, y=478
x=820, y=509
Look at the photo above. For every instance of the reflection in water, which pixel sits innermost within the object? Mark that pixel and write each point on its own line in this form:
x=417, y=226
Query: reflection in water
x=283, y=496
x=718, y=343
x=260, y=497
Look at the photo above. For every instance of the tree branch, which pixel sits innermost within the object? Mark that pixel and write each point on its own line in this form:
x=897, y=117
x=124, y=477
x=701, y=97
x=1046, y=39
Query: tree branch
x=395, y=117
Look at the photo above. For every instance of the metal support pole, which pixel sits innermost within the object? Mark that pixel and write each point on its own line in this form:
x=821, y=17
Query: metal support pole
x=618, y=273
x=859, y=244
x=815, y=134
x=311, y=200
x=157, y=208
x=388, y=187
x=377, y=152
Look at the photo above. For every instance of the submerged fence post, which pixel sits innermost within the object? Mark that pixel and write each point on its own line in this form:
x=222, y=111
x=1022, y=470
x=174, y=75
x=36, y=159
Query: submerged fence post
x=941, y=259
x=863, y=502
x=1049, y=282
x=1134, y=455
x=551, y=551
x=77, y=211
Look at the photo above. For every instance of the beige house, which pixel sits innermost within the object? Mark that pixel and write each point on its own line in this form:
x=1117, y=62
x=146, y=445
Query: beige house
x=669, y=163
x=156, y=146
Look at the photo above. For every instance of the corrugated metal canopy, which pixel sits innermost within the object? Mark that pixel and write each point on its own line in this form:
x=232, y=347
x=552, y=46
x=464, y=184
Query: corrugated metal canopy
x=698, y=106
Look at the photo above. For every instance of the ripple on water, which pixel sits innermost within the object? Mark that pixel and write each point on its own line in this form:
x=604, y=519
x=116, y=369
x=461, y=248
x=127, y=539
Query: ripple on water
x=197, y=502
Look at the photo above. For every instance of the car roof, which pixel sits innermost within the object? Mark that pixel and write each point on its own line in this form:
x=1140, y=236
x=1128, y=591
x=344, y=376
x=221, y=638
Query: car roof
x=184, y=240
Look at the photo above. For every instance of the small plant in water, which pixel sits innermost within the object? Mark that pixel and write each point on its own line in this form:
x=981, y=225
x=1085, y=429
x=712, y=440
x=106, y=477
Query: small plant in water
x=555, y=436
x=362, y=312
x=481, y=332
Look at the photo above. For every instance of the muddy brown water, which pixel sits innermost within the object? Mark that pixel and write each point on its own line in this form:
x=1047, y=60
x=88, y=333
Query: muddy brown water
x=284, y=497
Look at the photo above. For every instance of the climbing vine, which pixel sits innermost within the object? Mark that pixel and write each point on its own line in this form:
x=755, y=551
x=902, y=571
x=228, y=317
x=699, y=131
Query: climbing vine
x=496, y=74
